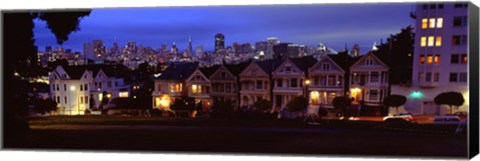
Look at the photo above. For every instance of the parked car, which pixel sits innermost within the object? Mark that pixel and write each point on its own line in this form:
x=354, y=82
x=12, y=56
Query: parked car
x=462, y=114
x=447, y=120
x=400, y=118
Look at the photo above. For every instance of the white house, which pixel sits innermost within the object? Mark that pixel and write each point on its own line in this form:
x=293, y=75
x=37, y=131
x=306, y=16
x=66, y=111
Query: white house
x=199, y=86
x=327, y=82
x=255, y=82
x=171, y=85
x=74, y=87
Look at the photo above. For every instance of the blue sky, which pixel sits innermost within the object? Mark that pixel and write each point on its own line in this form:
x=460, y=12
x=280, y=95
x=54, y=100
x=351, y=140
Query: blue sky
x=332, y=24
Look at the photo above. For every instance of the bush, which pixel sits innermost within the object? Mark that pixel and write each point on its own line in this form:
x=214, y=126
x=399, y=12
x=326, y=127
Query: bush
x=262, y=105
x=297, y=104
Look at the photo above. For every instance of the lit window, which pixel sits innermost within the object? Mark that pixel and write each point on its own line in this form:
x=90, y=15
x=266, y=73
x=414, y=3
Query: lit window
x=123, y=94
x=422, y=59
x=436, y=59
x=464, y=58
x=431, y=23
x=430, y=40
x=439, y=22
x=172, y=88
x=423, y=41
x=429, y=59
x=438, y=41
x=424, y=23
x=373, y=95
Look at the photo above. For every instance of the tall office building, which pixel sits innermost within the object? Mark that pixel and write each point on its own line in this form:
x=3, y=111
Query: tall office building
x=440, y=56
x=99, y=49
x=219, y=41
x=190, y=48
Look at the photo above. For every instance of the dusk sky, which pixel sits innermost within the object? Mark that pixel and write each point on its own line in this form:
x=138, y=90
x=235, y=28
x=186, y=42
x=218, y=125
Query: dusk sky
x=332, y=24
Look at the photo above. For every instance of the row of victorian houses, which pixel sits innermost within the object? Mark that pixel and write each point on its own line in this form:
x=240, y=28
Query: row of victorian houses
x=363, y=78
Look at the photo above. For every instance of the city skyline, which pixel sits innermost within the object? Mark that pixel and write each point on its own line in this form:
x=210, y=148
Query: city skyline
x=309, y=25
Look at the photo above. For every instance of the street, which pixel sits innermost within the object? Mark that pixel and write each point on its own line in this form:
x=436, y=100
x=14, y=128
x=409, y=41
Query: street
x=319, y=140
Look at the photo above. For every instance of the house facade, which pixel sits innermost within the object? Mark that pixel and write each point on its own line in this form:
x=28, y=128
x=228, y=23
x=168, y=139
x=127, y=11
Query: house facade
x=327, y=82
x=199, y=86
x=368, y=81
x=255, y=82
x=225, y=84
x=80, y=88
x=171, y=85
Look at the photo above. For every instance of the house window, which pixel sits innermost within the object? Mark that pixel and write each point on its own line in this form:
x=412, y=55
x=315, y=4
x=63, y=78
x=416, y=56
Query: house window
x=279, y=83
x=64, y=87
x=331, y=80
x=374, y=77
x=431, y=23
x=459, y=40
x=330, y=97
x=259, y=84
x=196, y=89
x=420, y=76
x=436, y=59
x=58, y=87
x=172, y=88
x=109, y=84
x=453, y=77
x=425, y=7
x=325, y=66
x=430, y=41
x=100, y=85
x=86, y=87
x=459, y=21
x=228, y=87
x=81, y=87
x=293, y=82
x=116, y=84
x=455, y=59
x=369, y=61
x=159, y=87
x=464, y=59
x=424, y=23
x=433, y=6
x=462, y=77
x=81, y=100
x=288, y=69
x=440, y=6
x=373, y=95
x=435, y=77
x=428, y=77
x=315, y=80
x=58, y=99
x=339, y=81
x=265, y=85
x=438, y=41
x=86, y=100
x=422, y=59
x=423, y=41
x=323, y=80
x=429, y=59
x=65, y=99
x=439, y=23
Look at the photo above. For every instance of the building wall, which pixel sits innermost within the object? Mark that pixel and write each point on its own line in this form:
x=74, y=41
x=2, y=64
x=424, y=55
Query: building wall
x=71, y=100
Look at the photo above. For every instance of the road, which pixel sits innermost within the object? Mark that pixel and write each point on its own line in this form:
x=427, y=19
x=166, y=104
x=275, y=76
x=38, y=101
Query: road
x=317, y=140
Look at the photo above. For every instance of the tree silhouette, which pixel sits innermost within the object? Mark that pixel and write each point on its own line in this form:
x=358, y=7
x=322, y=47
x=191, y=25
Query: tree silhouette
x=341, y=103
x=394, y=101
x=262, y=105
x=20, y=57
x=45, y=106
x=449, y=98
x=297, y=104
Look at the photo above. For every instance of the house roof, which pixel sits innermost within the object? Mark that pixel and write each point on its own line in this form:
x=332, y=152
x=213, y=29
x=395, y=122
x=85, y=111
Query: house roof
x=178, y=71
x=268, y=66
x=304, y=62
x=344, y=60
x=76, y=72
x=208, y=71
x=236, y=69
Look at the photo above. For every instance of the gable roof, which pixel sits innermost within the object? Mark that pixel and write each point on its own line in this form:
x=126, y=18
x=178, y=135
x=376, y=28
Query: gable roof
x=76, y=72
x=344, y=60
x=364, y=57
x=304, y=62
x=236, y=69
x=268, y=66
x=208, y=71
x=178, y=71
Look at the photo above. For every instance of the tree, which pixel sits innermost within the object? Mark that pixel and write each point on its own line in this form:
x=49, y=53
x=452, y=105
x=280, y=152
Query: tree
x=297, y=104
x=449, y=98
x=184, y=103
x=262, y=105
x=342, y=103
x=45, y=106
x=394, y=101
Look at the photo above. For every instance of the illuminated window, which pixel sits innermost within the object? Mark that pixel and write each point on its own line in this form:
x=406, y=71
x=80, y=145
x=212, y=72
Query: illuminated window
x=429, y=59
x=331, y=96
x=159, y=87
x=86, y=99
x=430, y=41
x=439, y=22
x=464, y=58
x=431, y=23
x=422, y=59
x=438, y=41
x=81, y=100
x=424, y=23
x=315, y=98
x=436, y=59
x=172, y=88
x=373, y=94
x=196, y=89
x=423, y=41
x=123, y=94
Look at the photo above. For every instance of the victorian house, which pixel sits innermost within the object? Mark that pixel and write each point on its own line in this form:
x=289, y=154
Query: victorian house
x=289, y=80
x=171, y=84
x=225, y=83
x=255, y=82
x=369, y=81
x=78, y=89
x=327, y=81
x=199, y=86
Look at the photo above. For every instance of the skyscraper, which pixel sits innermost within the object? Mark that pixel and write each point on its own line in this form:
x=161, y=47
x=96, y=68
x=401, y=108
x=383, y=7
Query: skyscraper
x=99, y=49
x=190, y=44
x=219, y=41
x=440, y=56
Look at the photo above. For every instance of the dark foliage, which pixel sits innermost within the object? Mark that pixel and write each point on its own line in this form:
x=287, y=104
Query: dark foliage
x=43, y=106
x=128, y=103
x=183, y=104
x=262, y=105
x=342, y=103
x=449, y=98
x=394, y=101
x=297, y=104
x=63, y=23
x=397, y=53
x=222, y=109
